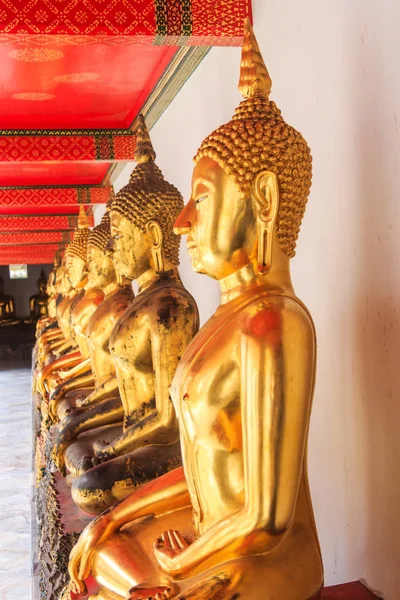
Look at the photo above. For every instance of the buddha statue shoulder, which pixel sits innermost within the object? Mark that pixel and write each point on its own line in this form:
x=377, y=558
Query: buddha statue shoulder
x=38, y=302
x=146, y=344
x=237, y=520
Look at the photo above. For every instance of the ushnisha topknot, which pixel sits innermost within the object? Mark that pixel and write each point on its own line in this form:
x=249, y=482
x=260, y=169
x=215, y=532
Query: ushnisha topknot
x=148, y=196
x=256, y=139
x=99, y=236
x=78, y=247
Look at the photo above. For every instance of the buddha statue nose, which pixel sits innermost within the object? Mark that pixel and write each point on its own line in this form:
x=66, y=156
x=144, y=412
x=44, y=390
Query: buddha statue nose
x=184, y=221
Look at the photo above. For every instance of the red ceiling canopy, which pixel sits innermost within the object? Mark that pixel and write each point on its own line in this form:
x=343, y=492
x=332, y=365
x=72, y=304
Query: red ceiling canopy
x=74, y=76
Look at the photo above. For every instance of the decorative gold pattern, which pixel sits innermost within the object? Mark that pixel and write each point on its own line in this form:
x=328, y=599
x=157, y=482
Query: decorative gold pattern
x=33, y=55
x=76, y=77
x=33, y=96
x=99, y=236
x=78, y=247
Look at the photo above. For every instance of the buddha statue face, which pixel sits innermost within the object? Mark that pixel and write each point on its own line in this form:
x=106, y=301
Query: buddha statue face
x=217, y=208
x=132, y=246
x=76, y=270
x=100, y=266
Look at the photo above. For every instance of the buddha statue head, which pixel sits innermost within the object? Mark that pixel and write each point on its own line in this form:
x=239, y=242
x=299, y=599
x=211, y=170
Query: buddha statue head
x=76, y=252
x=250, y=183
x=99, y=257
x=42, y=282
x=142, y=216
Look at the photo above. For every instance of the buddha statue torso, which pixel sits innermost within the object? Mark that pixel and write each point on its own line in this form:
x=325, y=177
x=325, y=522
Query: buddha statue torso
x=80, y=314
x=38, y=303
x=99, y=330
x=132, y=344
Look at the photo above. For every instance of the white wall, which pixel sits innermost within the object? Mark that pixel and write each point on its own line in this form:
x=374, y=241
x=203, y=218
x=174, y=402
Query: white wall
x=336, y=77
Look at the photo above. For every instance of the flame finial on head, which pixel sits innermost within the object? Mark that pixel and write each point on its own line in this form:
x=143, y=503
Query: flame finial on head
x=83, y=220
x=254, y=77
x=144, y=148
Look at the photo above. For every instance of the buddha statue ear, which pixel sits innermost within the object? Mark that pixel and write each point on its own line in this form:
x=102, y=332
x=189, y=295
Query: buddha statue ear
x=154, y=230
x=265, y=196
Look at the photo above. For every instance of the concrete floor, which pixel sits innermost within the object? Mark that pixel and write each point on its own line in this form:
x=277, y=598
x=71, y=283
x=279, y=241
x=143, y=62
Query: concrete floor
x=15, y=480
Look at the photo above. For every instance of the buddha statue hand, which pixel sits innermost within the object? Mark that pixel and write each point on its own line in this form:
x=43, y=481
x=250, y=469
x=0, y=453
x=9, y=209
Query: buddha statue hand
x=104, y=451
x=94, y=535
x=152, y=593
x=57, y=455
x=167, y=549
x=53, y=401
x=57, y=392
x=83, y=401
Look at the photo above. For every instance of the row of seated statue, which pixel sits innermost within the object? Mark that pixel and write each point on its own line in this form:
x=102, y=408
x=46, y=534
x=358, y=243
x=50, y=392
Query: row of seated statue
x=189, y=446
x=37, y=304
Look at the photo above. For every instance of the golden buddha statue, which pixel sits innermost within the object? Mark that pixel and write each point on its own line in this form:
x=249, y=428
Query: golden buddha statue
x=7, y=306
x=100, y=275
x=118, y=295
x=47, y=328
x=237, y=520
x=146, y=345
x=63, y=352
x=53, y=294
x=38, y=302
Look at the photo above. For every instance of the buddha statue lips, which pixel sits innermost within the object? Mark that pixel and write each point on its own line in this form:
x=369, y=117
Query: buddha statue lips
x=237, y=520
x=145, y=347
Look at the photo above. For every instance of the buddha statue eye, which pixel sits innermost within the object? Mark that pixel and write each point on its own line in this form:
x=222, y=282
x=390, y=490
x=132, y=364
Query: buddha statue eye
x=200, y=199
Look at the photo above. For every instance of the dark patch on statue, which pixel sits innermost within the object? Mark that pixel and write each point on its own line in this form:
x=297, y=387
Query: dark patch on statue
x=212, y=589
x=138, y=415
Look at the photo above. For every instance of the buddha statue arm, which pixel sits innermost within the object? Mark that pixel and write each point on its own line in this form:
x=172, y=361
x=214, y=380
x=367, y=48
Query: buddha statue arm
x=82, y=381
x=60, y=348
x=168, y=341
x=11, y=306
x=79, y=369
x=107, y=412
x=108, y=389
x=277, y=378
x=164, y=494
x=68, y=360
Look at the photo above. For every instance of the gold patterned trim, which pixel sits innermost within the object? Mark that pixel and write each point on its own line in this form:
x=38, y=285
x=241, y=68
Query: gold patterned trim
x=76, y=77
x=32, y=55
x=33, y=96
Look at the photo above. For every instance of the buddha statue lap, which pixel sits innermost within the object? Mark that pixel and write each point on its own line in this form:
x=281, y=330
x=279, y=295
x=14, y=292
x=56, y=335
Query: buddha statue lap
x=146, y=344
x=237, y=520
